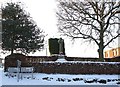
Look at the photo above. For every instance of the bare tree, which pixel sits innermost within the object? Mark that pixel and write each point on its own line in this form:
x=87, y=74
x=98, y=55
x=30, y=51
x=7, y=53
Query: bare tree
x=94, y=21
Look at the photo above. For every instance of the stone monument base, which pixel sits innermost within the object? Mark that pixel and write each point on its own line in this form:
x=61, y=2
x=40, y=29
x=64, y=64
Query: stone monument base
x=61, y=58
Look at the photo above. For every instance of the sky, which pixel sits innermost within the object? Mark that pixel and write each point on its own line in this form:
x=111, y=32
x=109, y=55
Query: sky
x=44, y=14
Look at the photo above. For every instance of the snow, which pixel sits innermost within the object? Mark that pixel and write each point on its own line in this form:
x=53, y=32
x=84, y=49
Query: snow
x=64, y=61
x=1, y=71
x=58, y=79
x=61, y=58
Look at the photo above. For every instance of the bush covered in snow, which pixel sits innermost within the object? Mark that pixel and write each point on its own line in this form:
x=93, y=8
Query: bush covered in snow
x=78, y=67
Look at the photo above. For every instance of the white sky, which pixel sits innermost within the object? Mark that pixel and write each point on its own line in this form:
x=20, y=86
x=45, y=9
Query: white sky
x=44, y=13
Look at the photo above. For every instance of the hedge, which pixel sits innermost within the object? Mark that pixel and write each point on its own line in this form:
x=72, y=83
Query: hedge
x=77, y=68
x=47, y=64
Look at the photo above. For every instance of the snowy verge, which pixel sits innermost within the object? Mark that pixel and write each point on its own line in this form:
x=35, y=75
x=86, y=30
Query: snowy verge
x=60, y=79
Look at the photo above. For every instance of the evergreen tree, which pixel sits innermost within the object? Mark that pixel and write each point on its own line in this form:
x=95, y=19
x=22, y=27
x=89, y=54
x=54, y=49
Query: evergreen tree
x=19, y=31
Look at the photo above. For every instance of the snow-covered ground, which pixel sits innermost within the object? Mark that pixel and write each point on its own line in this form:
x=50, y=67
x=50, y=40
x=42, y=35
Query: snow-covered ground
x=1, y=71
x=59, y=79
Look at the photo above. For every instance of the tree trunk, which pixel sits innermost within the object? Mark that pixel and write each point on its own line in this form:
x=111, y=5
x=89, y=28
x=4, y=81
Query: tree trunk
x=101, y=54
x=101, y=44
x=13, y=44
x=101, y=50
x=12, y=50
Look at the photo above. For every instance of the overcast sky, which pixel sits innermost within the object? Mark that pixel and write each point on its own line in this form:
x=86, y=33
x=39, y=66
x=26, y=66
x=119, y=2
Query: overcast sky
x=44, y=13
